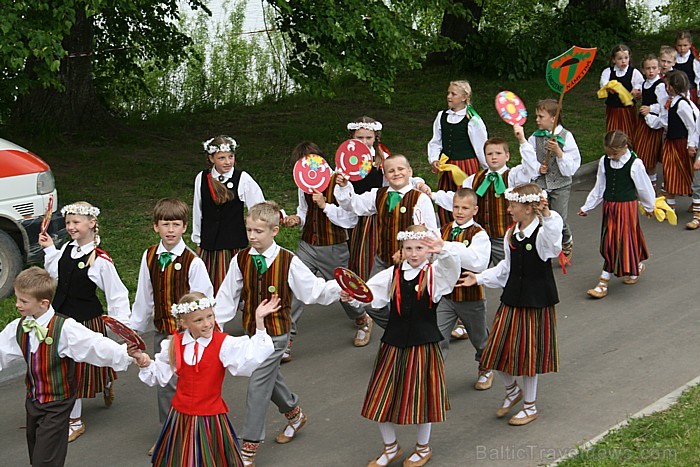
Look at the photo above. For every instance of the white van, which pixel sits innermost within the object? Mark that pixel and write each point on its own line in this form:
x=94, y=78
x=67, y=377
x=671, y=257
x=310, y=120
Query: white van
x=26, y=187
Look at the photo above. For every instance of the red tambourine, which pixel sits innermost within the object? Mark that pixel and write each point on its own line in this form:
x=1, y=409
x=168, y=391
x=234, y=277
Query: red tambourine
x=511, y=108
x=311, y=173
x=118, y=328
x=47, y=215
x=353, y=285
x=354, y=159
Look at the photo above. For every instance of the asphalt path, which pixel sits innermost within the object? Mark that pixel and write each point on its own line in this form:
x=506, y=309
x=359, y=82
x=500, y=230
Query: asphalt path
x=617, y=355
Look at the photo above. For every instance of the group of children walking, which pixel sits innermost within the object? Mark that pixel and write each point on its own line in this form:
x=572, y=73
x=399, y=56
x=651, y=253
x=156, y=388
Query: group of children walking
x=426, y=271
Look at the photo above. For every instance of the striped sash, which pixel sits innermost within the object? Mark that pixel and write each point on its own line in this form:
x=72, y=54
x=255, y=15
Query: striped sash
x=493, y=214
x=168, y=286
x=474, y=292
x=318, y=229
x=389, y=224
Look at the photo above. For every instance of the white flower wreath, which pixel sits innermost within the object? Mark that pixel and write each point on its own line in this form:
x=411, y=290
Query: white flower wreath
x=534, y=198
x=374, y=126
x=403, y=235
x=229, y=146
x=189, y=307
x=81, y=210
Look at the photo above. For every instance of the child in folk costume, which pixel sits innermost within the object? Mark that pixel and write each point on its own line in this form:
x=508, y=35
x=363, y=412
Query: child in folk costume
x=490, y=184
x=620, y=182
x=197, y=431
x=168, y=271
x=680, y=145
x=667, y=60
x=555, y=174
x=51, y=344
x=408, y=381
x=81, y=267
x=220, y=195
x=471, y=242
x=687, y=62
x=396, y=207
x=619, y=116
x=523, y=339
x=648, y=135
x=324, y=243
x=256, y=273
x=458, y=139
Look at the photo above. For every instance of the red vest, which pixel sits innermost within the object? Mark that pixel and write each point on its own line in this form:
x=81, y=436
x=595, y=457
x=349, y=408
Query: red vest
x=199, y=386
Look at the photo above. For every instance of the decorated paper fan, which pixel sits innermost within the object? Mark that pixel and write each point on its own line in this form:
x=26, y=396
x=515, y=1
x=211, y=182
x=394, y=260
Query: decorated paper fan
x=511, y=108
x=354, y=159
x=311, y=173
x=47, y=216
x=118, y=328
x=353, y=285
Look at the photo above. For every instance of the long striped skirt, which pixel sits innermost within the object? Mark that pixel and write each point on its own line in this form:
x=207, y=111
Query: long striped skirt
x=407, y=386
x=622, y=242
x=446, y=183
x=647, y=145
x=678, y=167
x=217, y=263
x=197, y=441
x=91, y=380
x=363, y=246
x=621, y=118
x=523, y=341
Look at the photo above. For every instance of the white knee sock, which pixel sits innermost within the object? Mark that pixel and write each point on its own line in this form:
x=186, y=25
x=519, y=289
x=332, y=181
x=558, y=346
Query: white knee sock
x=424, y=433
x=507, y=379
x=77, y=409
x=388, y=433
x=606, y=275
x=530, y=388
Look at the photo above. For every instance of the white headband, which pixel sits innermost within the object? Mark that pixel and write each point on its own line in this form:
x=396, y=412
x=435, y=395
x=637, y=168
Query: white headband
x=189, y=307
x=81, y=210
x=512, y=196
x=229, y=146
x=403, y=235
x=374, y=126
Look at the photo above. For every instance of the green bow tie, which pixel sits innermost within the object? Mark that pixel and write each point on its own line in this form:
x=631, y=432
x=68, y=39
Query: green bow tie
x=164, y=259
x=260, y=263
x=393, y=198
x=498, y=185
x=39, y=331
x=455, y=231
x=548, y=134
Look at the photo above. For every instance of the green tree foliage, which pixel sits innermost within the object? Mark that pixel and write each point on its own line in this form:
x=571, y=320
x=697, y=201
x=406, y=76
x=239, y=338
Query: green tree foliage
x=681, y=14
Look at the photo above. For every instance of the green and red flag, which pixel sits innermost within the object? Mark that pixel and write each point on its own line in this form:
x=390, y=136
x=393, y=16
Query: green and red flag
x=565, y=71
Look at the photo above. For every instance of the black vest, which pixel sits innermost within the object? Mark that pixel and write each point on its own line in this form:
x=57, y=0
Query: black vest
x=223, y=226
x=374, y=179
x=687, y=68
x=613, y=100
x=417, y=323
x=619, y=185
x=676, y=127
x=649, y=95
x=76, y=295
x=531, y=281
x=455, y=139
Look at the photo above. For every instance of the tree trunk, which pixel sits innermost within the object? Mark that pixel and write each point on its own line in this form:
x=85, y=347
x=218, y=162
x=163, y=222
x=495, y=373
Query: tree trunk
x=77, y=105
x=459, y=28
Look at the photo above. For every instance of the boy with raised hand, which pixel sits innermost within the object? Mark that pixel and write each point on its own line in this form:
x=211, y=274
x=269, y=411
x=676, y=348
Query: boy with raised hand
x=168, y=271
x=255, y=274
x=51, y=344
x=490, y=184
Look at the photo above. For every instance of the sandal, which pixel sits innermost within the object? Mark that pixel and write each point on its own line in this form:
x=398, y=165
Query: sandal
x=75, y=433
x=530, y=414
x=281, y=438
x=693, y=224
x=513, y=396
x=424, y=454
x=600, y=290
x=389, y=456
x=635, y=279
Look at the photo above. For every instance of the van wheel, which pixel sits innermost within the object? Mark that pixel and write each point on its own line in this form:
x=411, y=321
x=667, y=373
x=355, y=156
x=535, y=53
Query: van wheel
x=10, y=264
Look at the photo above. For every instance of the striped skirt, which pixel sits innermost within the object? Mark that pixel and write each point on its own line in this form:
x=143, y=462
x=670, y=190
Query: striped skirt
x=217, y=263
x=621, y=118
x=197, y=441
x=446, y=183
x=362, y=246
x=622, y=242
x=678, y=167
x=523, y=341
x=647, y=145
x=91, y=380
x=407, y=386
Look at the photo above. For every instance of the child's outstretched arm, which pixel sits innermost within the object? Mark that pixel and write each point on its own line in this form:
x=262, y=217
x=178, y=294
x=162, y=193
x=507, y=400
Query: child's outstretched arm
x=595, y=197
x=9, y=348
x=362, y=205
x=83, y=345
x=266, y=307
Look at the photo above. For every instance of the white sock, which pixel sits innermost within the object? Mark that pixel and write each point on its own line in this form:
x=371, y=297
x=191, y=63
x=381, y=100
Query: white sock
x=530, y=388
x=652, y=177
x=671, y=203
x=389, y=437
x=424, y=433
x=606, y=275
x=77, y=409
x=290, y=431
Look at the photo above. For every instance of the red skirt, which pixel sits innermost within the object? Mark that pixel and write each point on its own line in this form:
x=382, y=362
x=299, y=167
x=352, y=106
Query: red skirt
x=446, y=183
x=407, y=386
x=522, y=342
x=362, y=247
x=621, y=118
x=622, y=242
x=91, y=380
x=678, y=167
x=217, y=263
x=647, y=145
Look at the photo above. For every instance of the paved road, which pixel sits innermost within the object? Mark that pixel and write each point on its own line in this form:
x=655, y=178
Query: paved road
x=617, y=355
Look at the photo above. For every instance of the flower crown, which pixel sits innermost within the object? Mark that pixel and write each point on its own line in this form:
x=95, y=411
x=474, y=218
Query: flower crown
x=189, y=307
x=374, y=126
x=80, y=209
x=534, y=198
x=229, y=146
x=403, y=235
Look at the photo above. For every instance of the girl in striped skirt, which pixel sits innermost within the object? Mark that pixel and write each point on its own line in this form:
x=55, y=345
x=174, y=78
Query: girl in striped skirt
x=81, y=267
x=197, y=431
x=619, y=116
x=408, y=381
x=621, y=181
x=220, y=195
x=523, y=339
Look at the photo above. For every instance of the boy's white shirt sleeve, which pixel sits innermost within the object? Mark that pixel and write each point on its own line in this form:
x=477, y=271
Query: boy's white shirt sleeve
x=571, y=160
x=424, y=212
x=474, y=257
x=229, y=295
x=249, y=191
x=528, y=169
x=435, y=143
x=83, y=345
x=642, y=183
x=361, y=205
x=309, y=288
x=476, y=130
x=144, y=306
x=243, y=355
x=595, y=197
x=51, y=257
x=105, y=276
x=198, y=278
x=302, y=207
x=443, y=199
x=197, y=210
x=9, y=348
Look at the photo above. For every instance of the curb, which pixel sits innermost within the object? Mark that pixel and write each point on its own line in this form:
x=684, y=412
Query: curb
x=660, y=405
x=586, y=172
x=13, y=371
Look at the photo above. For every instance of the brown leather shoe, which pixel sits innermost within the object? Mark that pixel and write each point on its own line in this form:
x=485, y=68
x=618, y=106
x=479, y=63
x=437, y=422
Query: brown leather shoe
x=391, y=457
x=284, y=439
x=510, y=400
x=109, y=395
x=364, y=332
x=459, y=332
x=423, y=456
x=75, y=433
x=530, y=416
x=485, y=380
x=600, y=290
